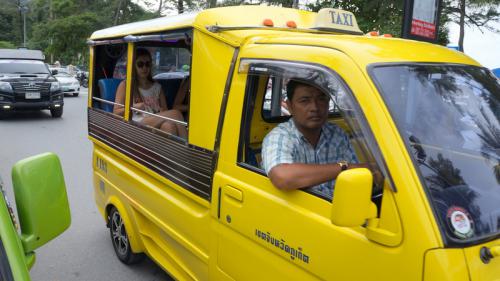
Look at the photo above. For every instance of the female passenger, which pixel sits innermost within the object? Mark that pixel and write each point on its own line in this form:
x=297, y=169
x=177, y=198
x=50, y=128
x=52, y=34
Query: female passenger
x=147, y=95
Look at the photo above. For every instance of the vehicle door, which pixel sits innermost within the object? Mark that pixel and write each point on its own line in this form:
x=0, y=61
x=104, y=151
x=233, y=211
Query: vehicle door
x=268, y=234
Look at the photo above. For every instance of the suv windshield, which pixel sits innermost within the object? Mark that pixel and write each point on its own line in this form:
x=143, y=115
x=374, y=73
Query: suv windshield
x=449, y=118
x=12, y=66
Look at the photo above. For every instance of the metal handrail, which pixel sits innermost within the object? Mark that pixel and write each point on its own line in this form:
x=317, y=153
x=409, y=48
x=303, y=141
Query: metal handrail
x=108, y=102
x=185, y=124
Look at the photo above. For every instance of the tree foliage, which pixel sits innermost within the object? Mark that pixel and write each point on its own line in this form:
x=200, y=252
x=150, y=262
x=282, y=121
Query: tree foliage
x=6, y=45
x=383, y=16
x=61, y=27
x=472, y=13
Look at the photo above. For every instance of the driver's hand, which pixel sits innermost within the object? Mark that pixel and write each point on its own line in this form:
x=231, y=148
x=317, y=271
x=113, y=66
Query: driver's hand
x=378, y=177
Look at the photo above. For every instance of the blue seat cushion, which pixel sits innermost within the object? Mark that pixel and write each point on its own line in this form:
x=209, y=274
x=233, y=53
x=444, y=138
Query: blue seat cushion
x=108, y=88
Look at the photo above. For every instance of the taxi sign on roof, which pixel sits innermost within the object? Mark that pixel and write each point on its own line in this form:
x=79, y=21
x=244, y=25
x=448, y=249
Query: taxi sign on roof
x=337, y=20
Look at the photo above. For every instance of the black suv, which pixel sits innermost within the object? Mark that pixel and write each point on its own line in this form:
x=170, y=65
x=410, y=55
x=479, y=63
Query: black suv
x=27, y=83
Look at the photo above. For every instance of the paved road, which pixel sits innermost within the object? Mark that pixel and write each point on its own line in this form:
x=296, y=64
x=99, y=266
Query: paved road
x=84, y=252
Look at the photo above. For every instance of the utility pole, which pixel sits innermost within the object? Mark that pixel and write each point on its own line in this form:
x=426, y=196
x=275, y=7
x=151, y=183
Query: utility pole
x=24, y=28
x=51, y=17
x=23, y=9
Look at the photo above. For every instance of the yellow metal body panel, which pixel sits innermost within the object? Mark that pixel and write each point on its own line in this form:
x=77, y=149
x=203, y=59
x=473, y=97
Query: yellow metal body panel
x=91, y=76
x=446, y=265
x=162, y=219
x=301, y=220
x=248, y=228
x=128, y=89
x=210, y=67
x=480, y=271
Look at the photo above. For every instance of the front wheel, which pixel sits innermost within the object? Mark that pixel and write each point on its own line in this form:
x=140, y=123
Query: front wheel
x=75, y=94
x=56, y=112
x=119, y=238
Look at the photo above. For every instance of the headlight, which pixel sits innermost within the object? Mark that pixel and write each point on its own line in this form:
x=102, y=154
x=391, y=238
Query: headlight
x=6, y=87
x=54, y=86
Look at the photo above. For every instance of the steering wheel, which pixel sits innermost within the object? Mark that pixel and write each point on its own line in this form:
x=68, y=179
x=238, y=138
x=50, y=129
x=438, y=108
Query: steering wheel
x=114, y=51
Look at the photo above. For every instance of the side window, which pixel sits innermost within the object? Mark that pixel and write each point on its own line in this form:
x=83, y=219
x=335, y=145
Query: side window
x=274, y=107
x=265, y=109
x=110, y=70
x=161, y=86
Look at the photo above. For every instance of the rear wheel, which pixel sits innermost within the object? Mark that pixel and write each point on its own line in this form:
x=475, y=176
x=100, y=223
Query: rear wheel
x=119, y=238
x=75, y=94
x=56, y=112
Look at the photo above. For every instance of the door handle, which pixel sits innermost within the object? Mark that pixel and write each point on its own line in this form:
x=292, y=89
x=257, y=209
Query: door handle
x=234, y=193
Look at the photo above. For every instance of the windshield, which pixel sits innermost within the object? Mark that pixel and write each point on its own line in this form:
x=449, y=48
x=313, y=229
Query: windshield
x=449, y=117
x=23, y=67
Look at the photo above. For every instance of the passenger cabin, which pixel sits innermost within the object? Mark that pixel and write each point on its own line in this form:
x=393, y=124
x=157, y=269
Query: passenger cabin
x=203, y=46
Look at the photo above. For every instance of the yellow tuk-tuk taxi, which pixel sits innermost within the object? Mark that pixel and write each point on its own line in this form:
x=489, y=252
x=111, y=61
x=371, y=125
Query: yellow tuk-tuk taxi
x=179, y=108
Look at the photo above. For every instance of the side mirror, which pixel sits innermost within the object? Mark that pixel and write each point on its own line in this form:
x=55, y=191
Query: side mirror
x=41, y=199
x=352, y=204
x=54, y=71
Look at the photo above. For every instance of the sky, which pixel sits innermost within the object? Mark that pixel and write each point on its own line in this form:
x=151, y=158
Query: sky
x=483, y=47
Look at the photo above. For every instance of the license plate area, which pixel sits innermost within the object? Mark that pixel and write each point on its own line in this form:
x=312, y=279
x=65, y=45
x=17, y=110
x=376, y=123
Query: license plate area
x=32, y=95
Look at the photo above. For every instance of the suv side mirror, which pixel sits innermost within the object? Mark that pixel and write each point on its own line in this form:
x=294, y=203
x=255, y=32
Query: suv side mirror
x=41, y=199
x=54, y=71
x=352, y=204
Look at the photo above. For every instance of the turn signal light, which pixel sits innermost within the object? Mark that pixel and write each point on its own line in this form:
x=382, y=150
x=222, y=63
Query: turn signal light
x=291, y=24
x=268, y=22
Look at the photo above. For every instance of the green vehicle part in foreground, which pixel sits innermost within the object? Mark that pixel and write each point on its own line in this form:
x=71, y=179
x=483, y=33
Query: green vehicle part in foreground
x=43, y=210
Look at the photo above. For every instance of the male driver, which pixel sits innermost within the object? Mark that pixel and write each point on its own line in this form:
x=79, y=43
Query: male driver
x=307, y=151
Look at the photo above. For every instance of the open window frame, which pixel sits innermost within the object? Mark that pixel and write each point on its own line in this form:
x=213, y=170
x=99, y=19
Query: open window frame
x=328, y=81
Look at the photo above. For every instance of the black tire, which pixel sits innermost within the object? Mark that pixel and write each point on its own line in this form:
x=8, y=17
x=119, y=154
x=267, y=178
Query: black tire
x=56, y=112
x=119, y=238
x=75, y=94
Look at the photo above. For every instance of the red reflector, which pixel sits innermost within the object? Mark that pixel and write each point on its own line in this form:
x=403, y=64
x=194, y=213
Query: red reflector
x=291, y=24
x=373, y=33
x=268, y=22
x=387, y=35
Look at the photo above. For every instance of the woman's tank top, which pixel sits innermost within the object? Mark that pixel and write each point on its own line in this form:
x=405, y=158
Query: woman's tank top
x=151, y=98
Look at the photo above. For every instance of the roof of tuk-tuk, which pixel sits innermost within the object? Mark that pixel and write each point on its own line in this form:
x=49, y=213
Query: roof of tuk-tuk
x=363, y=49
x=225, y=16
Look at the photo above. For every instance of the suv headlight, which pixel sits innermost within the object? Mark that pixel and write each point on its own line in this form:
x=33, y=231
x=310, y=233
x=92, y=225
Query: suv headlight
x=6, y=87
x=54, y=86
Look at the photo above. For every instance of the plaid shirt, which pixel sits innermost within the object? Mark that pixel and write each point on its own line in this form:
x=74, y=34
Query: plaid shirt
x=286, y=144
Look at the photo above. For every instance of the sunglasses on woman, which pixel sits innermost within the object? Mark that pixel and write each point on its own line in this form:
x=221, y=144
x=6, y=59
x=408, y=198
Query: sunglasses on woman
x=141, y=64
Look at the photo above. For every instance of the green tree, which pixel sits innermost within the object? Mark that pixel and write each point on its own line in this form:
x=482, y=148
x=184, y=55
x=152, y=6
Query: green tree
x=67, y=37
x=10, y=22
x=61, y=27
x=478, y=13
x=6, y=45
x=382, y=16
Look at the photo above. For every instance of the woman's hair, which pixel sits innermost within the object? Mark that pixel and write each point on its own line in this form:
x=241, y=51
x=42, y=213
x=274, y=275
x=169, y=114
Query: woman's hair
x=140, y=52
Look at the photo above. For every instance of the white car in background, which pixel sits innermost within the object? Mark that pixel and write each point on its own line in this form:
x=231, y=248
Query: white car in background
x=69, y=84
